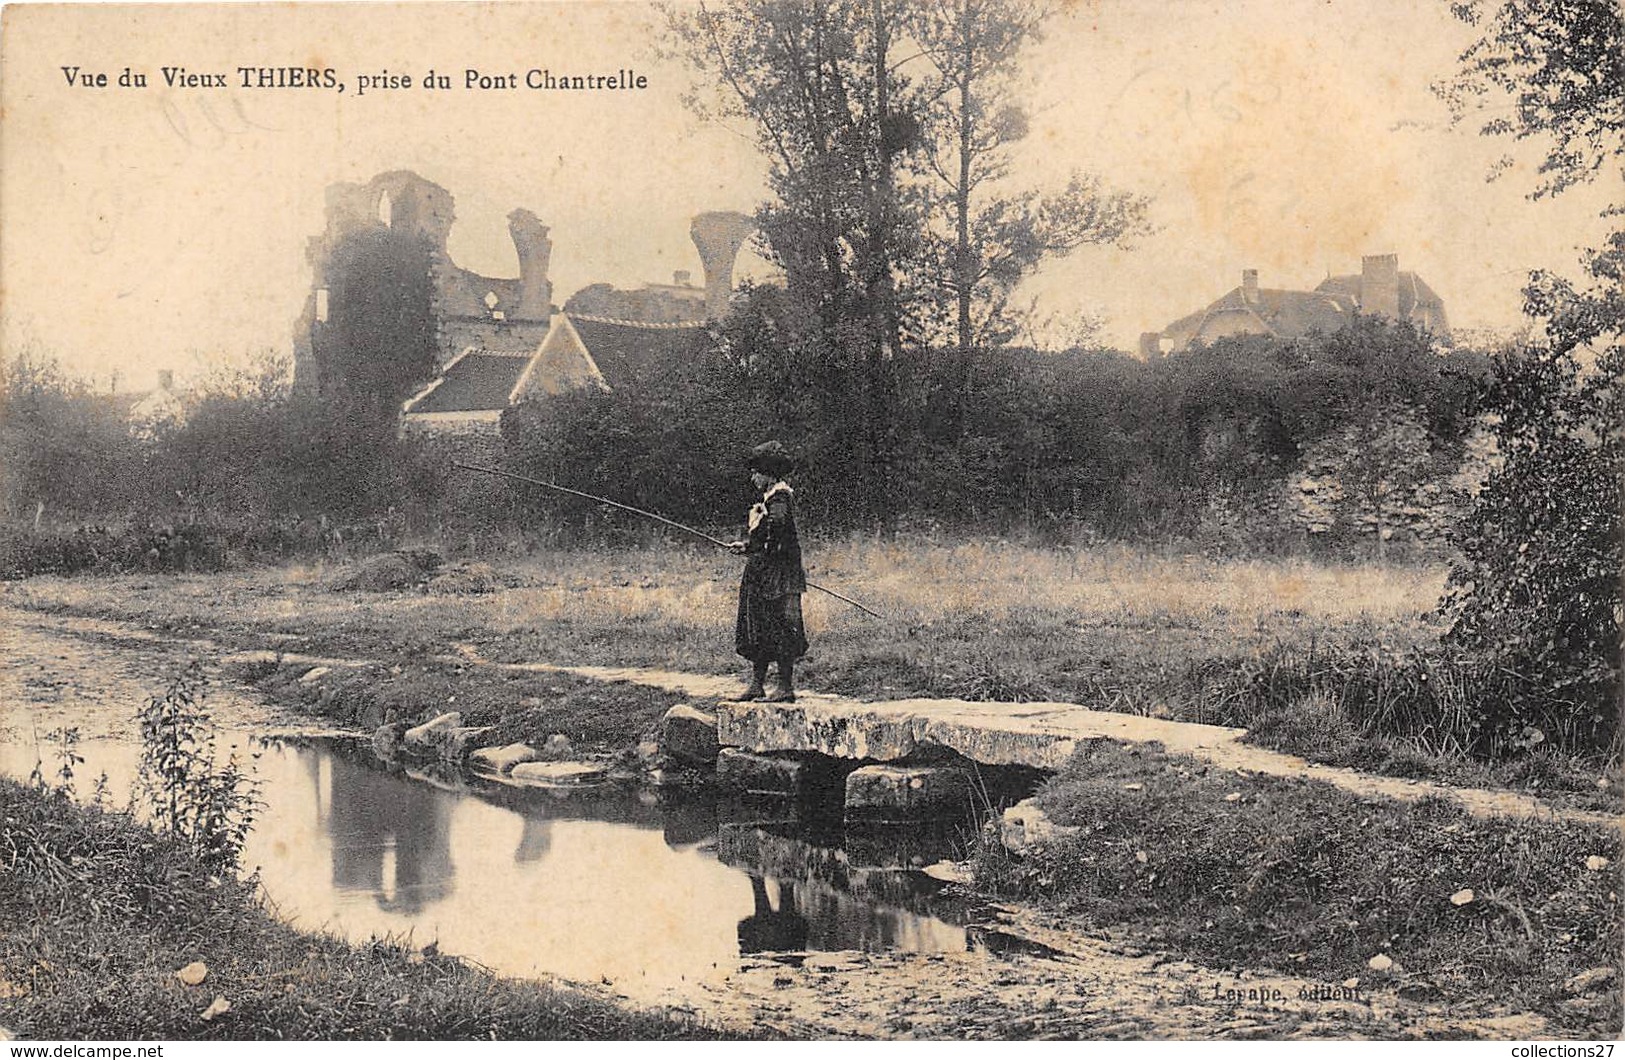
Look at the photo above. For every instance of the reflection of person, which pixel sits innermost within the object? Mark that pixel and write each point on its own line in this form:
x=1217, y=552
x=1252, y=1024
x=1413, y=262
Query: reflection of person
x=772, y=930
x=370, y=814
x=769, y=627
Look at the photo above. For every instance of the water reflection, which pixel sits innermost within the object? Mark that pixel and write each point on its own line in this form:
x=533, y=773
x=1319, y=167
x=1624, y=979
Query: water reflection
x=608, y=883
x=828, y=899
x=773, y=929
x=376, y=822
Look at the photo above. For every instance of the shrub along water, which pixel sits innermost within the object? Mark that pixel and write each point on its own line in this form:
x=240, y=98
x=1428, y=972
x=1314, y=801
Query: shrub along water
x=207, y=805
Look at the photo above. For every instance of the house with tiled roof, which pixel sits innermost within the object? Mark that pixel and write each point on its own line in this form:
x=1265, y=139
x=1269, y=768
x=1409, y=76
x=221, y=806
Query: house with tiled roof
x=577, y=353
x=1379, y=289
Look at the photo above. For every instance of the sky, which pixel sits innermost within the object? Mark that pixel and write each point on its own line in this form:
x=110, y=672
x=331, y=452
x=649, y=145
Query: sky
x=166, y=227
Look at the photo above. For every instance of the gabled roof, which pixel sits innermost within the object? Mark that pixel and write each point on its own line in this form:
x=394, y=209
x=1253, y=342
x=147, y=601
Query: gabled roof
x=1412, y=291
x=561, y=364
x=476, y=380
x=629, y=353
x=1276, y=312
x=578, y=353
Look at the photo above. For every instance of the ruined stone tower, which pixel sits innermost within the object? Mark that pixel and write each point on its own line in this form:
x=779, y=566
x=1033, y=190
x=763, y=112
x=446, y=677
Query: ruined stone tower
x=719, y=235
x=503, y=314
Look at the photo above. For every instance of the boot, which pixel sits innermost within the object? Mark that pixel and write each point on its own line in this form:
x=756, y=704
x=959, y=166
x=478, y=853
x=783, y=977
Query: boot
x=786, y=692
x=758, y=678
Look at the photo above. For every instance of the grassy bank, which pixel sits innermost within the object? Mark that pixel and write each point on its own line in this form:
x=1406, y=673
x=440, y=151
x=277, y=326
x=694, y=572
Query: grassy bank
x=97, y=914
x=1241, y=871
x=1317, y=658
x=519, y=707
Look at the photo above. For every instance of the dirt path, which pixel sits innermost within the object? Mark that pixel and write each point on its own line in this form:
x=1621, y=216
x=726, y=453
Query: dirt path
x=63, y=671
x=1090, y=988
x=1062, y=724
x=93, y=674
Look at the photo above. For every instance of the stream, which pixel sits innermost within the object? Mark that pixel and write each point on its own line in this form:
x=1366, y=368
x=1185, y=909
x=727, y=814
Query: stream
x=611, y=884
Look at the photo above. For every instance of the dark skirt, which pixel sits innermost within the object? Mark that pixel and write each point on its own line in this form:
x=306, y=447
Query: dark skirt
x=769, y=627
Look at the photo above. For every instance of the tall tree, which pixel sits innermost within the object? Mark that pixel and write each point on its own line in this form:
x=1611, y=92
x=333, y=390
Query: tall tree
x=1538, y=586
x=987, y=236
x=888, y=125
x=815, y=81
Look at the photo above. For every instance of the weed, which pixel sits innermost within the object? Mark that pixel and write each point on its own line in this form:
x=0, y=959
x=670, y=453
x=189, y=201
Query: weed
x=207, y=806
x=66, y=741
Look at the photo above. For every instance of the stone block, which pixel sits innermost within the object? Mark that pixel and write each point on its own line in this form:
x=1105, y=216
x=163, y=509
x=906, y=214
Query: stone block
x=386, y=739
x=757, y=774
x=503, y=759
x=906, y=792
x=689, y=736
x=1025, y=826
x=425, y=738
x=454, y=745
x=559, y=772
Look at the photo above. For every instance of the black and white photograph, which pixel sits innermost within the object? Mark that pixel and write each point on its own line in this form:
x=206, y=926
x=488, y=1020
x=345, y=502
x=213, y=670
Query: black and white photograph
x=809, y=520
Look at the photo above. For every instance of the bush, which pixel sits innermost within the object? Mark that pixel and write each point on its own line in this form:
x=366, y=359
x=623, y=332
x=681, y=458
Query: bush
x=1537, y=593
x=206, y=805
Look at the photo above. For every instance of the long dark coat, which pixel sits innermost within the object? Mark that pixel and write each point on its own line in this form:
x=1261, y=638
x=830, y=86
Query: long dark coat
x=769, y=627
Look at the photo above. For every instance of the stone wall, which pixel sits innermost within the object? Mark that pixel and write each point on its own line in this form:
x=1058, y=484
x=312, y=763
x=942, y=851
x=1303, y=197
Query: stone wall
x=1367, y=479
x=457, y=333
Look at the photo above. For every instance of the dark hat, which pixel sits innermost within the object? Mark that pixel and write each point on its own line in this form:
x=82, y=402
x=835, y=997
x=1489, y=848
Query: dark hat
x=771, y=458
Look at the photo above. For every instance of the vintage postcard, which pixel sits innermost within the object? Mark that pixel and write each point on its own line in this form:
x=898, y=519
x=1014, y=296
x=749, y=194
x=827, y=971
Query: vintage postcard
x=812, y=519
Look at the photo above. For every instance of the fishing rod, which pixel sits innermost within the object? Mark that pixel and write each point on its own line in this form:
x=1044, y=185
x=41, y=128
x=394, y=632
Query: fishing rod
x=648, y=515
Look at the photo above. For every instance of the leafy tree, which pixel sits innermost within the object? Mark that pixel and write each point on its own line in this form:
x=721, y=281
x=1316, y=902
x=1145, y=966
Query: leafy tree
x=983, y=236
x=887, y=126
x=1551, y=71
x=1538, y=589
x=63, y=449
x=814, y=80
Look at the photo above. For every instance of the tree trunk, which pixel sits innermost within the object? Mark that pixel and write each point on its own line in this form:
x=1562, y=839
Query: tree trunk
x=883, y=324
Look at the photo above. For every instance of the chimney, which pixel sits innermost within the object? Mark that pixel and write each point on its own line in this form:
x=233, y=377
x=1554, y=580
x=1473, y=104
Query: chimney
x=1249, y=286
x=719, y=235
x=166, y=380
x=535, y=251
x=680, y=278
x=1379, y=285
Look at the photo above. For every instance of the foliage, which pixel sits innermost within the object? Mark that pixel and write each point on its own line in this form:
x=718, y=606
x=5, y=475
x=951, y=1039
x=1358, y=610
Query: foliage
x=816, y=82
x=886, y=127
x=1538, y=588
x=982, y=235
x=66, y=749
x=1089, y=441
x=252, y=469
x=206, y=805
x=1548, y=70
x=62, y=448
x=378, y=344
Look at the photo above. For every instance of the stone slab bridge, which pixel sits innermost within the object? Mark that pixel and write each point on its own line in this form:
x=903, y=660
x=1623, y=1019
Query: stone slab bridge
x=1040, y=735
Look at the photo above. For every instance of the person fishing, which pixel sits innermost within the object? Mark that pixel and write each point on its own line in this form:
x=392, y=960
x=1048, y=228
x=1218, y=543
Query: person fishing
x=769, y=627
